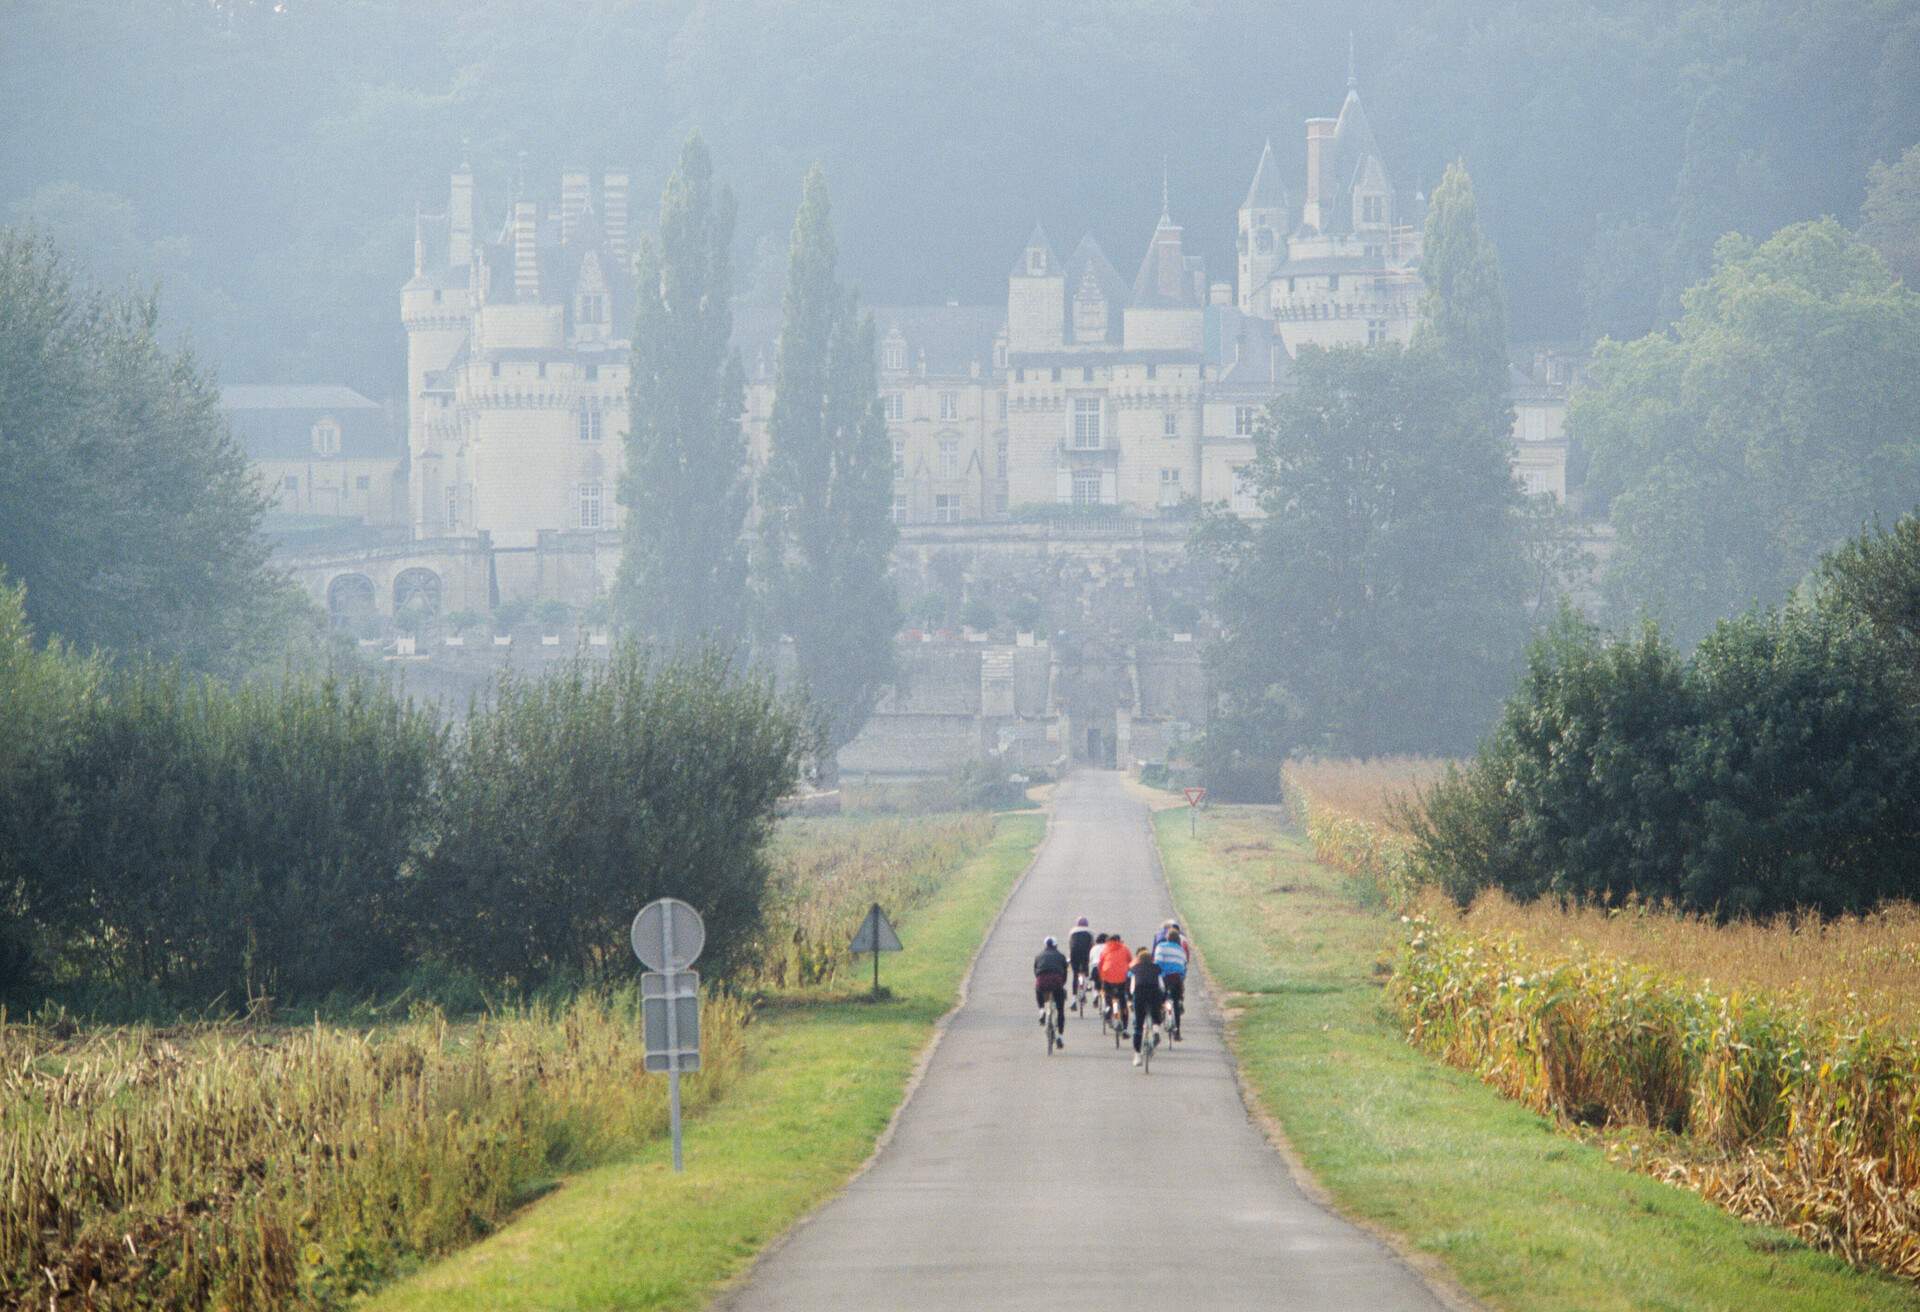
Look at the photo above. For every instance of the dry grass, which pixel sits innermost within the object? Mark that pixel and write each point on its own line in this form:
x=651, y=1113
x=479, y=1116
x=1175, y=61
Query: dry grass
x=1370, y=791
x=828, y=871
x=238, y=1168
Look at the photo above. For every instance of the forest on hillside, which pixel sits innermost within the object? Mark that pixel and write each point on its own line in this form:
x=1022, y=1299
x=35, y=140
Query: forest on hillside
x=263, y=159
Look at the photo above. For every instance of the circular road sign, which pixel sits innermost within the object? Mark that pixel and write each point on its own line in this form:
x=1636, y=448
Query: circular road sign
x=668, y=935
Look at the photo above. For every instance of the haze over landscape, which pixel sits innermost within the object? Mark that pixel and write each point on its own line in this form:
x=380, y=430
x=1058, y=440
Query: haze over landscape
x=1368, y=554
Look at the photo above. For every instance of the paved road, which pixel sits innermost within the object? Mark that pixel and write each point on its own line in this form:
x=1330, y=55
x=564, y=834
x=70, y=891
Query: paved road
x=985, y=1196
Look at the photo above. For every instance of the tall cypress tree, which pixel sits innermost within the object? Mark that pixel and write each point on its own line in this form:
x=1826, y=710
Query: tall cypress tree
x=826, y=530
x=1465, y=315
x=684, y=568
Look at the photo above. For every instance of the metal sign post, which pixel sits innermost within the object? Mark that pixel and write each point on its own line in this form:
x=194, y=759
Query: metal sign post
x=1195, y=796
x=875, y=935
x=667, y=937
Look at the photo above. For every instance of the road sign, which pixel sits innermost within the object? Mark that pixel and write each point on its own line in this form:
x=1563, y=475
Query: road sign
x=668, y=935
x=670, y=1012
x=1195, y=796
x=875, y=935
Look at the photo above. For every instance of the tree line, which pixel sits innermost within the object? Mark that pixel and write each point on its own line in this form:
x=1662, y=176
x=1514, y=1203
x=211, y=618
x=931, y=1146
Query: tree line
x=170, y=840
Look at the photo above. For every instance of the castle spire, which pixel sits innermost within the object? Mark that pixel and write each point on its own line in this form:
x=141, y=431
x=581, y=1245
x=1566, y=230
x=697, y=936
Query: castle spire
x=419, y=242
x=1353, y=77
x=1166, y=203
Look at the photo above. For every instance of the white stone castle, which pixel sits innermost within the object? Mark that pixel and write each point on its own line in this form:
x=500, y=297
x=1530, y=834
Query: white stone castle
x=1084, y=390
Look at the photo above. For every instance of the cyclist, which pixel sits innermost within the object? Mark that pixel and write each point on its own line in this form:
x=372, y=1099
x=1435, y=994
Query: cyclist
x=1050, y=985
x=1170, y=955
x=1079, y=951
x=1143, y=983
x=1115, y=958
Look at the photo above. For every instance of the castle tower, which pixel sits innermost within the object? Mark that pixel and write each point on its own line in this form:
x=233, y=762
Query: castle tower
x=1036, y=298
x=435, y=307
x=1261, y=243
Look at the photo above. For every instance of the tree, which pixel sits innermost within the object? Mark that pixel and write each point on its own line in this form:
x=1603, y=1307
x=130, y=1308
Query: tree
x=1773, y=421
x=1874, y=579
x=828, y=488
x=1377, y=607
x=1890, y=215
x=126, y=506
x=1465, y=313
x=683, y=568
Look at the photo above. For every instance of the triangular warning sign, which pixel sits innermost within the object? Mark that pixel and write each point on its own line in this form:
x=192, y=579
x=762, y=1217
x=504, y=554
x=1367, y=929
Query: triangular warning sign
x=876, y=934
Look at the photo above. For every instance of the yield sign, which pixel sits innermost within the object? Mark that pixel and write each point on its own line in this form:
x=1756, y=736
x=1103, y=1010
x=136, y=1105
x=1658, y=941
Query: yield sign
x=1195, y=796
x=875, y=933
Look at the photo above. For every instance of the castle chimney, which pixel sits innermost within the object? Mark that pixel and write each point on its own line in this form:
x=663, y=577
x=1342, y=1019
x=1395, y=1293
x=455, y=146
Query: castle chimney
x=526, y=254
x=613, y=199
x=575, y=188
x=460, y=219
x=1319, y=142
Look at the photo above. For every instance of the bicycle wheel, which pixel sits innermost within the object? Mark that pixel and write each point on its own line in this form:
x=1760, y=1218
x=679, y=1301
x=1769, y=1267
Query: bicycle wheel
x=1052, y=1032
x=1148, y=1042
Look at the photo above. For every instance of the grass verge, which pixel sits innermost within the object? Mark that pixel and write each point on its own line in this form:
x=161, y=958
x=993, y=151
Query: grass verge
x=1523, y=1216
x=825, y=1072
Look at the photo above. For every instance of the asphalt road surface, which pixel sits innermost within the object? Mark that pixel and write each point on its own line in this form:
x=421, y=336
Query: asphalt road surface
x=1019, y=1180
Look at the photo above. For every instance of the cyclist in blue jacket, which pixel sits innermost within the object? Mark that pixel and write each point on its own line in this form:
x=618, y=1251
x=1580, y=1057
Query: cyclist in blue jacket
x=1170, y=955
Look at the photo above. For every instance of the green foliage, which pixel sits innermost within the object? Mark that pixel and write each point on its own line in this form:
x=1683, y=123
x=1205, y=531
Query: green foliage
x=827, y=492
x=978, y=613
x=683, y=569
x=1377, y=608
x=1465, y=313
x=1875, y=577
x=1890, y=215
x=126, y=506
x=1777, y=770
x=573, y=801
x=1775, y=420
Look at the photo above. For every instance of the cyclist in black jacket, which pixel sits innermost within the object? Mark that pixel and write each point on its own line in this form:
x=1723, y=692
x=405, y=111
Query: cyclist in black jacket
x=1143, y=982
x=1079, y=951
x=1050, y=985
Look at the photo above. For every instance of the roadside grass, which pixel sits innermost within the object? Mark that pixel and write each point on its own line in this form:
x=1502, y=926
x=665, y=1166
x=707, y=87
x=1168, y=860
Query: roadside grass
x=826, y=1068
x=1521, y=1214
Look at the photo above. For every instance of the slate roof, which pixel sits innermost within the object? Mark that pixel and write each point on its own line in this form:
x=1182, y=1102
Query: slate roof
x=1037, y=238
x=1248, y=357
x=275, y=422
x=1267, y=191
x=1089, y=260
x=1165, y=279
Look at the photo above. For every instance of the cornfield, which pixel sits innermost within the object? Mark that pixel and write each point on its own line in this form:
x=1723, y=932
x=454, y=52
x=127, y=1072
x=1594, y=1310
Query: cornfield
x=1351, y=814
x=827, y=871
x=238, y=1168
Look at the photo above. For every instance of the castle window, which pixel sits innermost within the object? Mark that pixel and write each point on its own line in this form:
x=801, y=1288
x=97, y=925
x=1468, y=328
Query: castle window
x=946, y=508
x=1086, y=487
x=899, y=456
x=1001, y=457
x=1169, y=487
x=1086, y=373
x=590, y=505
x=1153, y=371
x=1373, y=209
x=453, y=507
x=949, y=456
x=1056, y=373
x=326, y=438
x=949, y=405
x=1243, y=421
x=362, y=483
x=590, y=423
x=496, y=368
x=999, y=355
x=293, y=482
x=1036, y=260
x=1333, y=282
x=1169, y=424
x=543, y=369
x=1245, y=499
x=593, y=373
x=1373, y=253
x=1376, y=331
x=1086, y=423
x=899, y=511
x=1263, y=241
x=1003, y=405
x=896, y=404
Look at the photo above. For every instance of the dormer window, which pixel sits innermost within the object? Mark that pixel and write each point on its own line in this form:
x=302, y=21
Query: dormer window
x=1373, y=209
x=1036, y=261
x=1263, y=241
x=893, y=354
x=591, y=308
x=326, y=437
x=590, y=429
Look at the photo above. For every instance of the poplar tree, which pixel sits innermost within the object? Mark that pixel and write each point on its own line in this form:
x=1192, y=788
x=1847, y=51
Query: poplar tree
x=683, y=569
x=827, y=491
x=1465, y=313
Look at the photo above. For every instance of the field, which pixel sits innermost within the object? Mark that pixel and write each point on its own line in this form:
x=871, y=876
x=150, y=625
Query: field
x=1773, y=1067
x=253, y=1166
x=1523, y=1216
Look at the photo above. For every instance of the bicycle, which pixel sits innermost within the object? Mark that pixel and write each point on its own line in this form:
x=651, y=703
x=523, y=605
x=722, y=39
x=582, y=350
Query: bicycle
x=1148, y=1042
x=1080, y=996
x=1052, y=1029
